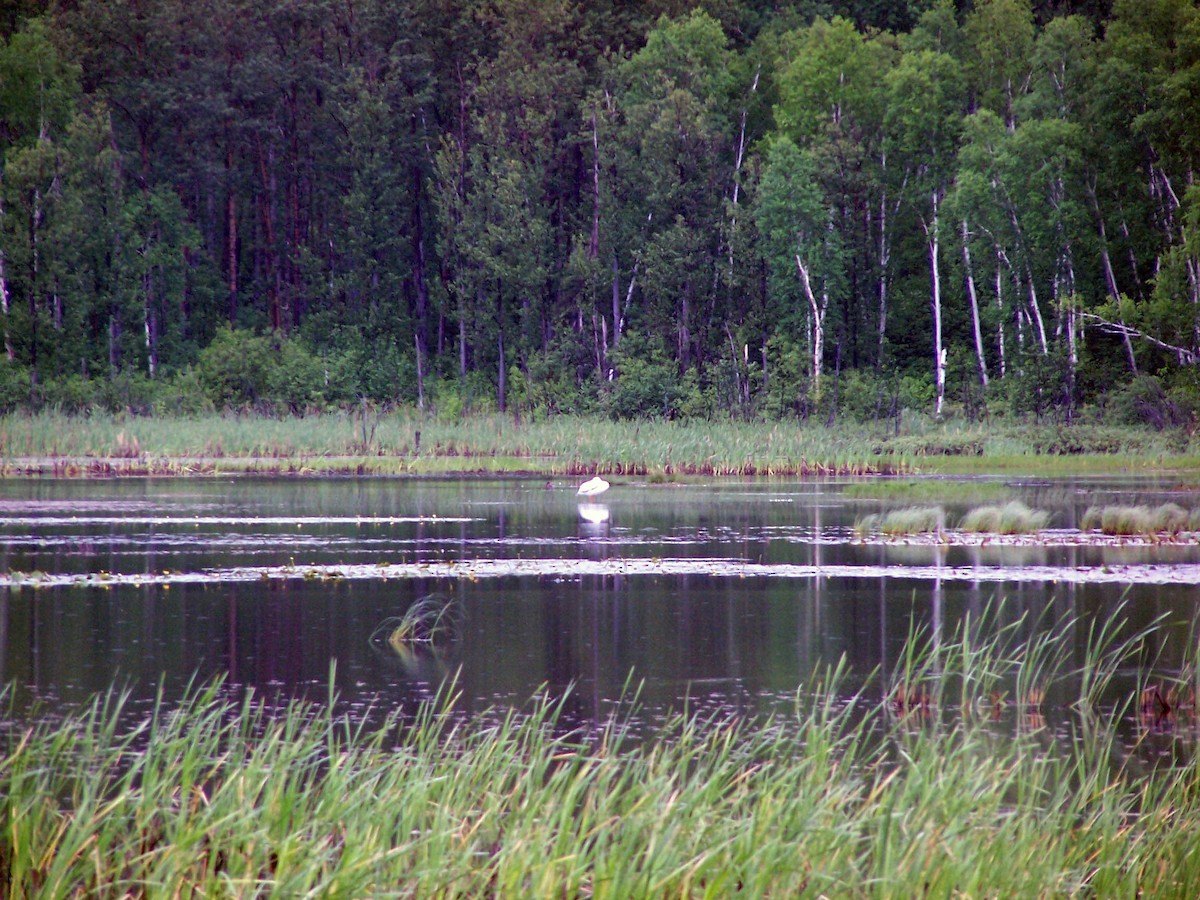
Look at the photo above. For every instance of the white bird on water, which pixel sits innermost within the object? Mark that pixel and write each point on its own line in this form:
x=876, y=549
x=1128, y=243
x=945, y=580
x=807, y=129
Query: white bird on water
x=592, y=487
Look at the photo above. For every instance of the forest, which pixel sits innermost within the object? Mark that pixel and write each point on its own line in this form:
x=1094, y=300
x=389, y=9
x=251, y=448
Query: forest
x=663, y=208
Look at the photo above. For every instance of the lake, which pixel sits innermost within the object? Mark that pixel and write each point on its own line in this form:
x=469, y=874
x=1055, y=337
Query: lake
x=718, y=595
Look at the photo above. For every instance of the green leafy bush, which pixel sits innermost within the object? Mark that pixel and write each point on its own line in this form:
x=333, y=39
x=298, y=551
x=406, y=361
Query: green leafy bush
x=1144, y=401
x=647, y=384
x=241, y=369
x=14, y=385
x=70, y=393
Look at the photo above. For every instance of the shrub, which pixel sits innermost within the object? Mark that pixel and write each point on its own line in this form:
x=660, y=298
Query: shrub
x=243, y=369
x=70, y=393
x=1169, y=518
x=15, y=385
x=184, y=394
x=917, y=392
x=862, y=396
x=647, y=384
x=1144, y=401
x=233, y=368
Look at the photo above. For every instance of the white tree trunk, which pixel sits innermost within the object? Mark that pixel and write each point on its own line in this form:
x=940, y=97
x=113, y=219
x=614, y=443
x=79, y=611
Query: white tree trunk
x=1036, y=311
x=935, y=301
x=818, y=309
x=1000, y=317
x=974, y=300
x=1110, y=279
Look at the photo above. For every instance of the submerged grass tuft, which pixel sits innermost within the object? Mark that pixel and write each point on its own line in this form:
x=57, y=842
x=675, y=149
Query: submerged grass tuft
x=432, y=619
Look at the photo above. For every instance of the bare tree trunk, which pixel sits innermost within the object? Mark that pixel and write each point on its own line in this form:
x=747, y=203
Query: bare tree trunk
x=267, y=215
x=1000, y=317
x=683, y=335
x=150, y=324
x=1110, y=275
x=885, y=260
x=421, y=329
x=420, y=351
x=616, y=301
x=741, y=147
x=976, y=326
x=502, y=376
x=594, y=241
x=818, y=326
x=1184, y=355
x=1036, y=311
x=1110, y=279
x=5, y=297
x=935, y=298
x=619, y=311
x=231, y=236
x=737, y=369
x=1133, y=262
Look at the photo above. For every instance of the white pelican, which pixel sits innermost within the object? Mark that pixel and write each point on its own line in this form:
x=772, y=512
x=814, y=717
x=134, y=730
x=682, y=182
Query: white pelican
x=592, y=487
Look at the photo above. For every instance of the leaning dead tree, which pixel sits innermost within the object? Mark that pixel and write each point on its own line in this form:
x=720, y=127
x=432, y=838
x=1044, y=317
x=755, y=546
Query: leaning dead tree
x=1185, y=356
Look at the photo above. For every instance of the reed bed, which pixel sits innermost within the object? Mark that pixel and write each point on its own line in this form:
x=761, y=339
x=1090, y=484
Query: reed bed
x=367, y=440
x=913, y=792
x=407, y=443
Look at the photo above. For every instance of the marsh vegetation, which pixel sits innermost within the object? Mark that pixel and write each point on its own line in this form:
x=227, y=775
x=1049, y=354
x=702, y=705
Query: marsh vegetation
x=403, y=442
x=940, y=775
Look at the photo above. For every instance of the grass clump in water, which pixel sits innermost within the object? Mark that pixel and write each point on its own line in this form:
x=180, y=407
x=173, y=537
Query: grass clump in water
x=843, y=797
x=1013, y=517
x=432, y=619
x=1168, y=518
x=898, y=522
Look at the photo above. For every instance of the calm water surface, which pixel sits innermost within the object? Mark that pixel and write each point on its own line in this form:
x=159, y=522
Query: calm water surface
x=723, y=595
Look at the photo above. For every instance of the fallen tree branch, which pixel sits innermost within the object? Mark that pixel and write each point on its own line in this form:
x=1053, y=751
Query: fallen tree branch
x=1185, y=356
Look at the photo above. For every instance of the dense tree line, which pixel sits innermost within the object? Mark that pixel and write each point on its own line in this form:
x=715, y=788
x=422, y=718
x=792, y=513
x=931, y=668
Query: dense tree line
x=656, y=208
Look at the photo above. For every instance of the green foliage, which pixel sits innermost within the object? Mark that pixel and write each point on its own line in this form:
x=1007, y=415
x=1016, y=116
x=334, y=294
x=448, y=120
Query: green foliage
x=1144, y=401
x=240, y=369
x=15, y=385
x=514, y=188
x=648, y=383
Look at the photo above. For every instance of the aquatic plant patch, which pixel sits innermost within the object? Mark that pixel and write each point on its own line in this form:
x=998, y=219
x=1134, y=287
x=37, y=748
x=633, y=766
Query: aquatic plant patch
x=1013, y=517
x=1167, y=519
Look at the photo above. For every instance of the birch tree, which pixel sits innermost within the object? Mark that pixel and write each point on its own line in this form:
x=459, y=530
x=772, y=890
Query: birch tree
x=925, y=103
x=802, y=248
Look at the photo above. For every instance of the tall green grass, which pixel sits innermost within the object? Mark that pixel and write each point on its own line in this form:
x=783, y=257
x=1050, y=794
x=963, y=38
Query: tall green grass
x=372, y=441
x=849, y=796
